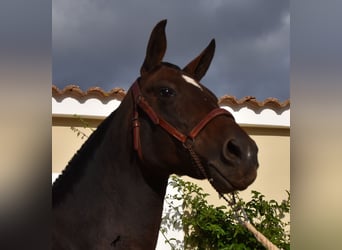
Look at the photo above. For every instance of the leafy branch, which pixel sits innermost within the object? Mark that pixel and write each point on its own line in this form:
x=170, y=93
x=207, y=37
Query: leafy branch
x=208, y=227
x=78, y=131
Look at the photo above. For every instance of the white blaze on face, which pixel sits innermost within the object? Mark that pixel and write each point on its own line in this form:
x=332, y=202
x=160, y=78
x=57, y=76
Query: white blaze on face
x=192, y=81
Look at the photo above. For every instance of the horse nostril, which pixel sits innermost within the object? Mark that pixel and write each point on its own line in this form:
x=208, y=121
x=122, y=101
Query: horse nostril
x=241, y=152
x=232, y=148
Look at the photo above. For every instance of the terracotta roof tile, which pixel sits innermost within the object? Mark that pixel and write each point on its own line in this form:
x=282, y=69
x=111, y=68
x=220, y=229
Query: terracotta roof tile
x=93, y=92
x=250, y=101
x=119, y=93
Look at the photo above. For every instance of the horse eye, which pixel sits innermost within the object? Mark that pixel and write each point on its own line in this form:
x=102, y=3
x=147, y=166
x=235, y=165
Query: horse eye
x=167, y=92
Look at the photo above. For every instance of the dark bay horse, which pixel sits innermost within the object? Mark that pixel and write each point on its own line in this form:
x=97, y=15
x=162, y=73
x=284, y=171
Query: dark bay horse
x=110, y=196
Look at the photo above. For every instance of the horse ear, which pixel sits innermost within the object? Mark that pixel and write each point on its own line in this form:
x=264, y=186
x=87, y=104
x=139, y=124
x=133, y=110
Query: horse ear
x=156, y=47
x=199, y=66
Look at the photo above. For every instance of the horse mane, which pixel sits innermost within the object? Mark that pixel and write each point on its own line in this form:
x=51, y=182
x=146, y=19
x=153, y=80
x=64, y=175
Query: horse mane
x=76, y=166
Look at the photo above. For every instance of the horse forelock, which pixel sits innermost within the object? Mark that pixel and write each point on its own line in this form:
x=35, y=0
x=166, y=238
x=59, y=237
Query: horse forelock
x=187, y=78
x=171, y=65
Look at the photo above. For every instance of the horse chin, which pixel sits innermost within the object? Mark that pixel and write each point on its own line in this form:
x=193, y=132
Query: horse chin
x=222, y=183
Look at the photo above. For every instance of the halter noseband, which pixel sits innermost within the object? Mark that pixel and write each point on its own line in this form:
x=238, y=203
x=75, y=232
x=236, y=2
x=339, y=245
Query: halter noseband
x=186, y=140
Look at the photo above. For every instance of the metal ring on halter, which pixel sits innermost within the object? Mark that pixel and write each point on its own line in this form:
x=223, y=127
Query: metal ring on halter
x=189, y=142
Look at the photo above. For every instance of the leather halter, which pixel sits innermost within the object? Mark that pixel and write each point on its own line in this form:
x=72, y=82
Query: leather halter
x=187, y=140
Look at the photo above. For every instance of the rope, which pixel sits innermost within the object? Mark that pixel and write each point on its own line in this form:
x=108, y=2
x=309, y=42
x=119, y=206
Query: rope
x=258, y=235
x=246, y=223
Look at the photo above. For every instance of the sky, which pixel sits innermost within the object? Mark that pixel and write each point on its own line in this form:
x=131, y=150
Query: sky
x=103, y=43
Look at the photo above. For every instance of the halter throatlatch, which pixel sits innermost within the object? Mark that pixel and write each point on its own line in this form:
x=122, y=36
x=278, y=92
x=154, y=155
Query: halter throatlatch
x=186, y=140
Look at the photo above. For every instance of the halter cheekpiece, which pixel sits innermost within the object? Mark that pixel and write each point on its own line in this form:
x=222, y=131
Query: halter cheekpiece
x=186, y=140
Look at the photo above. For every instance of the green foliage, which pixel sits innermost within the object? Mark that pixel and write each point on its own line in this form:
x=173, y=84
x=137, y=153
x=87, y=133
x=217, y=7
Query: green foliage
x=80, y=132
x=207, y=227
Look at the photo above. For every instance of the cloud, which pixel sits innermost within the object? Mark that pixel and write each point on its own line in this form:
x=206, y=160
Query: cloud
x=103, y=42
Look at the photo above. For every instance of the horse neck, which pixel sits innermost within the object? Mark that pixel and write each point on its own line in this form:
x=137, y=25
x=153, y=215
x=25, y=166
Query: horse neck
x=115, y=197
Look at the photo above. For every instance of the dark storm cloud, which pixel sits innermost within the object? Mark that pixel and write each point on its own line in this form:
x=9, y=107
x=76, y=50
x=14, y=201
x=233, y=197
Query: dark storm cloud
x=102, y=43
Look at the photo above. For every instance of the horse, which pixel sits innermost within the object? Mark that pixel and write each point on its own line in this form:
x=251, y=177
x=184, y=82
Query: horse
x=110, y=195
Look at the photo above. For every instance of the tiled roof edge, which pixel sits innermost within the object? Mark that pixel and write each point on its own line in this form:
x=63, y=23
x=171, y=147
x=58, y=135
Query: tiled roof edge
x=251, y=102
x=119, y=93
x=93, y=92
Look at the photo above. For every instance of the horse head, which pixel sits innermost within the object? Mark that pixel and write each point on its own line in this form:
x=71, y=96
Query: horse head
x=177, y=127
x=177, y=117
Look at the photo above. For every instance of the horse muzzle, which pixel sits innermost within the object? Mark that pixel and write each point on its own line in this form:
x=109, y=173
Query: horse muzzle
x=237, y=167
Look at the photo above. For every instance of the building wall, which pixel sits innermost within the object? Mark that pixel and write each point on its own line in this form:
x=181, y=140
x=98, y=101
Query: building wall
x=267, y=122
x=269, y=127
x=274, y=155
x=65, y=141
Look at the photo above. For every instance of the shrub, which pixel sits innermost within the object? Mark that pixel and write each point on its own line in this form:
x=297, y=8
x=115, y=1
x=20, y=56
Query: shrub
x=208, y=227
